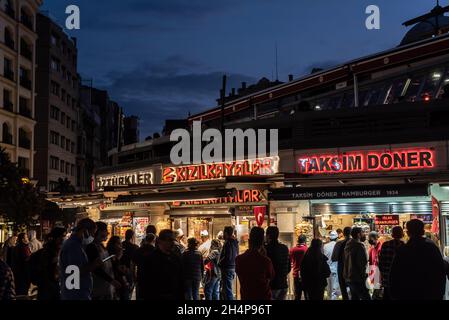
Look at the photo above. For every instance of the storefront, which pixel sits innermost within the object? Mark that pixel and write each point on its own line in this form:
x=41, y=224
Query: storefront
x=376, y=188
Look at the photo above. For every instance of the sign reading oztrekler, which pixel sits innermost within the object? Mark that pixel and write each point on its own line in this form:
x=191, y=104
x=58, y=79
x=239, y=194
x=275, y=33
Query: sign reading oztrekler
x=368, y=161
x=126, y=178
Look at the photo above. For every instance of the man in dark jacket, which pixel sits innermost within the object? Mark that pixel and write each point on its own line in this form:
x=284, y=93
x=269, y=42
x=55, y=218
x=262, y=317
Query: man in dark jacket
x=193, y=268
x=279, y=255
x=129, y=251
x=417, y=272
x=338, y=255
x=227, y=262
x=162, y=276
x=355, y=265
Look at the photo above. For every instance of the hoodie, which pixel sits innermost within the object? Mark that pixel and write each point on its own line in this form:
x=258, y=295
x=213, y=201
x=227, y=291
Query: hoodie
x=355, y=262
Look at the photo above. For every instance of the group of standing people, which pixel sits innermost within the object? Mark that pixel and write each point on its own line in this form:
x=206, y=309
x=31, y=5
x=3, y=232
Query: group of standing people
x=165, y=266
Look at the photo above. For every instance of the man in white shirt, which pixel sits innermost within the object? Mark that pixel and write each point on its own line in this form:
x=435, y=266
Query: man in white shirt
x=332, y=282
x=205, y=243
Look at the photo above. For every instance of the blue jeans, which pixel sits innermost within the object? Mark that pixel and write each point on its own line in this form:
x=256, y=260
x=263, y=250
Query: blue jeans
x=227, y=278
x=192, y=289
x=212, y=289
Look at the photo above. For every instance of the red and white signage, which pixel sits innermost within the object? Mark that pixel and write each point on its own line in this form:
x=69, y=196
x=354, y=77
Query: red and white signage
x=259, y=214
x=367, y=161
x=213, y=171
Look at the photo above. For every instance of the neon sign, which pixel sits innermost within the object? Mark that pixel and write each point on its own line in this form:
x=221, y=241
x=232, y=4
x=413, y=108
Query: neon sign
x=367, y=161
x=213, y=171
x=242, y=196
x=140, y=177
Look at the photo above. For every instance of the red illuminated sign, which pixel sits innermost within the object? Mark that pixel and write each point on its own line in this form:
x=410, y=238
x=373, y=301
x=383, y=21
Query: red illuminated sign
x=242, y=196
x=212, y=171
x=368, y=161
x=387, y=220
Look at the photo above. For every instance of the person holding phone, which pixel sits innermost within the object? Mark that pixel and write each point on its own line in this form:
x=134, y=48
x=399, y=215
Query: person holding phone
x=104, y=282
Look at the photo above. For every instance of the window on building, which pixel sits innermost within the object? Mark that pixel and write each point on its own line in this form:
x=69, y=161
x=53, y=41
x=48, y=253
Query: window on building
x=55, y=64
x=63, y=95
x=73, y=125
x=414, y=87
x=54, y=113
x=54, y=163
x=62, y=166
x=55, y=88
x=63, y=142
x=431, y=84
x=72, y=170
x=72, y=147
x=54, y=40
x=69, y=100
x=68, y=122
x=67, y=168
x=63, y=118
x=54, y=138
x=67, y=145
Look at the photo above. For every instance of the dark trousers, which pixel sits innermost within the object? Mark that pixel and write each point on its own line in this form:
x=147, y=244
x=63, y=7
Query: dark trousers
x=359, y=291
x=299, y=289
x=315, y=294
x=343, y=286
x=387, y=294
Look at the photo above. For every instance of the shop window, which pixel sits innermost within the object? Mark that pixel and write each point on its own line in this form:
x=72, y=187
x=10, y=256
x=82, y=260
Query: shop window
x=414, y=88
x=431, y=85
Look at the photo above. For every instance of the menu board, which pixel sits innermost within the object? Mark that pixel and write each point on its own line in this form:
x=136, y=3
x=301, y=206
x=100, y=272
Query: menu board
x=387, y=220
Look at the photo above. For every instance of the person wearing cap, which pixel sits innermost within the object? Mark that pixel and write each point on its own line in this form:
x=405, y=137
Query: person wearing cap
x=205, y=243
x=333, y=289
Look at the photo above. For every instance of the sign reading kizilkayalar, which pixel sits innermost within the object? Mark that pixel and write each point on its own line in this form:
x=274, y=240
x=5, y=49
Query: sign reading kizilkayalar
x=213, y=171
x=367, y=161
x=125, y=178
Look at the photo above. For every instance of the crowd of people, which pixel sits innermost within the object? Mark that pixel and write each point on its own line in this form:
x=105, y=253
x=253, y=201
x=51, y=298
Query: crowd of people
x=87, y=264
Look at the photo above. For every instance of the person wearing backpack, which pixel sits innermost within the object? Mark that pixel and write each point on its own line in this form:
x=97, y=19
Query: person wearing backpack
x=212, y=273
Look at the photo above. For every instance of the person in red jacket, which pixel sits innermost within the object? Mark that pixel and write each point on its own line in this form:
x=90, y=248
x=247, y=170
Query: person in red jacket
x=296, y=255
x=254, y=269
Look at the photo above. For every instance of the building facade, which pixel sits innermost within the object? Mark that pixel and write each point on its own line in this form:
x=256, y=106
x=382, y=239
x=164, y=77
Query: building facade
x=131, y=132
x=58, y=103
x=17, y=80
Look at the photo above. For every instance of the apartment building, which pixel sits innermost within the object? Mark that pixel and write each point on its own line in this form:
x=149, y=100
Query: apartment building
x=57, y=103
x=17, y=80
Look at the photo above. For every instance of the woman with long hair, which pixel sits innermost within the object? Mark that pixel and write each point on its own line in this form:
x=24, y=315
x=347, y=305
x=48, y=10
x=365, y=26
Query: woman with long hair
x=315, y=271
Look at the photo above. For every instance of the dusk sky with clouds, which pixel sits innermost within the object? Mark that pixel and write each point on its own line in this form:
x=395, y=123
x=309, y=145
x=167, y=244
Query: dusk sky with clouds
x=162, y=59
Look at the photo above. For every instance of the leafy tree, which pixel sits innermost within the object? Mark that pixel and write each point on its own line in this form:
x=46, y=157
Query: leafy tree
x=20, y=202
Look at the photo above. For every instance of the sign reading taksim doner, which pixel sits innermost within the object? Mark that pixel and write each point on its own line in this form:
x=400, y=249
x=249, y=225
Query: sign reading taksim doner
x=125, y=178
x=213, y=171
x=367, y=161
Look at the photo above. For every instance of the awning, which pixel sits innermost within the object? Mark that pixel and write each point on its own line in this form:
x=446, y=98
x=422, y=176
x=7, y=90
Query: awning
x=176, y=196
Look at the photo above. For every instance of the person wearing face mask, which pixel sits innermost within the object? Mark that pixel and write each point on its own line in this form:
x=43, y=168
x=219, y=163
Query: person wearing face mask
x=103, y=275
x=355, y=264
x=73, y=257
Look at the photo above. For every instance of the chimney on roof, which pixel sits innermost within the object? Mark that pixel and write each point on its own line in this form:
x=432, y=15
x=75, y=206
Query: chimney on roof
x=290, y=77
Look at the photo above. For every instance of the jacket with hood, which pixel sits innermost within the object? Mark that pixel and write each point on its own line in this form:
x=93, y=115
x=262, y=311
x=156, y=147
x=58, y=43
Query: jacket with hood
x=355, y=262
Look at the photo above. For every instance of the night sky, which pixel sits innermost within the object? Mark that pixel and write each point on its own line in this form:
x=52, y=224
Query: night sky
x=162, y=59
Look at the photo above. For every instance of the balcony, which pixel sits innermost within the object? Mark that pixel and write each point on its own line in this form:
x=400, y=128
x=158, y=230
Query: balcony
x=10, y=12
x=26, y=83
x=10, y=42
x=26, y=53
x=9, y=74
x=25, y=111
x=25, y=143
x=7, y=138
x=7, y=105
x=26, y=21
